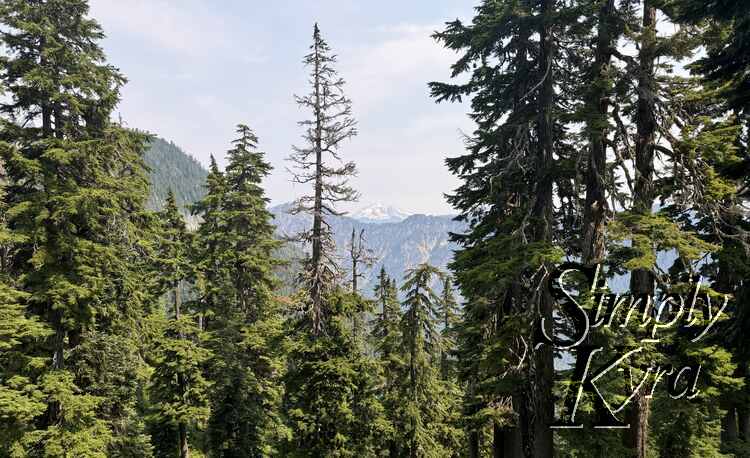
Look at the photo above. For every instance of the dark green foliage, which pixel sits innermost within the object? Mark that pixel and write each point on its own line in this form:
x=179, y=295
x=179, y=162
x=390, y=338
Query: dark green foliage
x=515, y=155
x=330, y=400
x=727, y=62
x=425, y=402
x=171, y=169
x=130, y=333
x=179, y=389
x=22, y=401
x=234, y=253
x=75, y=198
x=448, y=316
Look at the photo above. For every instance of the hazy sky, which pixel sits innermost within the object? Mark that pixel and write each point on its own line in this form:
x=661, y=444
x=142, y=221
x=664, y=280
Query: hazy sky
x=197, y=68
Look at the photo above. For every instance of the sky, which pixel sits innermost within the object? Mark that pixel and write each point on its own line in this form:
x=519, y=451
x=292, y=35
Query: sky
x=196, y=69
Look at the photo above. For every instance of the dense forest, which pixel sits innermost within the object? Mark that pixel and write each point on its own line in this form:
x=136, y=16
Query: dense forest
x=171, y=169
x=602, y=138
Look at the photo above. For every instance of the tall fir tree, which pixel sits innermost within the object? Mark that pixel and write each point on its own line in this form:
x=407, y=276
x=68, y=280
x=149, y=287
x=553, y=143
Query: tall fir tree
x=423, y=420
x=76, y=193
x=386, y=340
x=330, y=398
x=517, y=156
x=319, y=163
x=179, y=387
x=245, y=322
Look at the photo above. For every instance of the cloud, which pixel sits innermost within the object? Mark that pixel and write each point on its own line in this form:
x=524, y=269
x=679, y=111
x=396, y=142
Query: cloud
x=398, y=65
x=186, y=27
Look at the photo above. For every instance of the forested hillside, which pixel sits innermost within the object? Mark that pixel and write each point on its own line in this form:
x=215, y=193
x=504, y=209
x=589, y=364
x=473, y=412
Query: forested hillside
x=589, y=299
x=396, y=246
x=170, y=168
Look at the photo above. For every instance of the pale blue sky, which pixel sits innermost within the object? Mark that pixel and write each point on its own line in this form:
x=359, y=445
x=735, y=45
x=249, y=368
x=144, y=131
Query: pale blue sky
x=196, y=68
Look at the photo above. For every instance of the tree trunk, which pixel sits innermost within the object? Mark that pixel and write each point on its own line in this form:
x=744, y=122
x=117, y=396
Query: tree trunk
x=598, y=102
x=729, y=431
x=474, y=444
x=642, y=280
x=182, y=427
x=637, y=416
x=317, y=242
x=498, y=442
x=743, y=419
x=542, y=220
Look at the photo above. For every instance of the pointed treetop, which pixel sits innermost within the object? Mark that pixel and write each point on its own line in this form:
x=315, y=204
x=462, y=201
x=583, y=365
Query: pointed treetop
x=247, y=137
x=170, y=196
x=214, y=168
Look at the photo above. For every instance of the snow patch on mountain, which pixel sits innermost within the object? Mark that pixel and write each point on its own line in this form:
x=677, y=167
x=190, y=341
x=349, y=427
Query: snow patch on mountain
x=379, y=213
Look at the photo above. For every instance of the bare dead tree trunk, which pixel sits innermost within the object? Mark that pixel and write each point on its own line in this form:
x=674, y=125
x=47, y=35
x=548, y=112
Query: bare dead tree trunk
x=330, y=125
x=317, y=240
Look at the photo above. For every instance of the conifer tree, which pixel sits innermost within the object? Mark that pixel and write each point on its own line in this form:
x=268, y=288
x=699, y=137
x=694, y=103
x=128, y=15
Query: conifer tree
x=178, y=386
x=386, y=337
x=76, y=193
x=515, y=158
x=448, y=315
x=330, y=399
x=245, y=324
x=319, y=163
x=423, y=416
x=330, y=392
x=718, y=137
x=661, y=104
x=385, y=329
x=210, y=245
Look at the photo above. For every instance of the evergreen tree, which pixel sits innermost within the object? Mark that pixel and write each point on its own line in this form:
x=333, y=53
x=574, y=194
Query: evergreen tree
x=385, y=329
x=75, y=195
x=448, y=315
x=319, y=163
x=330, y=399
x=331, y=391
x=422, y=424
x=245, y=322
x=210, y=245
x=386, y=337
x=178, y=386
x=515, y=157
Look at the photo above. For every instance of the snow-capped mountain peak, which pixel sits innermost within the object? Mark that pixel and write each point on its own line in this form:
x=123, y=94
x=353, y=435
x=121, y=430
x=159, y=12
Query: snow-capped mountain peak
x=379, y=213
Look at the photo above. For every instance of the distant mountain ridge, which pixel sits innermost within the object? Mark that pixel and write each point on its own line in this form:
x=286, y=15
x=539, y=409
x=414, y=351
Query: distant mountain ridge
x=379, y=213
x=397, y=245
x=399, y=240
